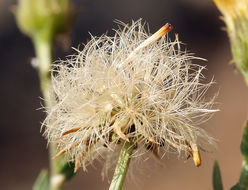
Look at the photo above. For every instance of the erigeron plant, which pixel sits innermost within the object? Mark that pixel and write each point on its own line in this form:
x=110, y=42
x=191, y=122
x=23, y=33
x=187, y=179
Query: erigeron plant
x=134, y=90
x=236, y=19
x=42, y=21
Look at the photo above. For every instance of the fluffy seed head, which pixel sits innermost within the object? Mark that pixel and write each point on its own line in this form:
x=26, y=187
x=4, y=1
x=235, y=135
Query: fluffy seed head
x=130, y=86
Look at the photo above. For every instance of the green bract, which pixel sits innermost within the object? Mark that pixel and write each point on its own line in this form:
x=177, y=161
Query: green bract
x=236, y=19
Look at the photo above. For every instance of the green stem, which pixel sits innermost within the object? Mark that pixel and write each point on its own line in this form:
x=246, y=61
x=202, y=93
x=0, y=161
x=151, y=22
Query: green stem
x=122, y=166
x=43, y=49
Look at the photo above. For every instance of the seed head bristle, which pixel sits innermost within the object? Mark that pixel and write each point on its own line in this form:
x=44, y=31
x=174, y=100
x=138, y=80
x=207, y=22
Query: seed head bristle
x=131, y=86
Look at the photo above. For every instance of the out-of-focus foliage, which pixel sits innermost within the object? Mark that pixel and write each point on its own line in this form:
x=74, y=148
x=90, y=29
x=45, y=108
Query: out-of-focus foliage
x=44, y=18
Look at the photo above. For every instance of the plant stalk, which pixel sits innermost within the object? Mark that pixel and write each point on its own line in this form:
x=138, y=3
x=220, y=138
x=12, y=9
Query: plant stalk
x=122, y=166
x=43, y=50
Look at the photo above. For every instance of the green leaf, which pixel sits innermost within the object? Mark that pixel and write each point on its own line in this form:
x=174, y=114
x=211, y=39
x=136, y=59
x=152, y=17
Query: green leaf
x=235, y=187
x=243, y=180
x=217, y=182
x=244, y=142
x=68, y=170
x=42, y=181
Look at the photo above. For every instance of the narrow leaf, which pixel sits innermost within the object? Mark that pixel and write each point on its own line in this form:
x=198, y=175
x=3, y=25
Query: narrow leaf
x=244, y=142
x=243, y=180
x=217, y=182
x=235, y=187
x=68, y=170
x=42, y=181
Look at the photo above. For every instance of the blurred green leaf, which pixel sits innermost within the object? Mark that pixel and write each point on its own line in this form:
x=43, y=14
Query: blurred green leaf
x=235, y=187
x=217, y=182
x=42, y=181
x=244, y=141
x=243, y=180
x=68, y=170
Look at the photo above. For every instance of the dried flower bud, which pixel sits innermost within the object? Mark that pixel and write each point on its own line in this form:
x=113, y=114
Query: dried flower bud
x=236, y=19
x=131, y=86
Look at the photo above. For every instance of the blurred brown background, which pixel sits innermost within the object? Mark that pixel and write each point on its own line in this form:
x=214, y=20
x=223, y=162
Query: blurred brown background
x=23, y=149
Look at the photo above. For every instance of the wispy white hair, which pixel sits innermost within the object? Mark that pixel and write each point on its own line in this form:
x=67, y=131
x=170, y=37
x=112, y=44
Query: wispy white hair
x=129, y=86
